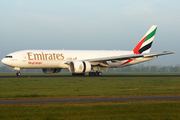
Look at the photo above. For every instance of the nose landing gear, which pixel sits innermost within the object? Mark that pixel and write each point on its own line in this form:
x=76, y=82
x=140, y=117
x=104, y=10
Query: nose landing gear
x=18, y=74
x=17, y=71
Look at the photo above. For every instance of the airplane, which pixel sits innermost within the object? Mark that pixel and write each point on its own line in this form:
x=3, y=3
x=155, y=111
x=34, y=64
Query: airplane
x=80, y=62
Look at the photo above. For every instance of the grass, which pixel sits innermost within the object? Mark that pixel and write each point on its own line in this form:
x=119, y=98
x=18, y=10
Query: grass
x=28, y=88
x=125, y=110
x=78, y=87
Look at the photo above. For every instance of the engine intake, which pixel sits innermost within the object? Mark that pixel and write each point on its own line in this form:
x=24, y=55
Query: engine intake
x=79, y=67
x=51, y=70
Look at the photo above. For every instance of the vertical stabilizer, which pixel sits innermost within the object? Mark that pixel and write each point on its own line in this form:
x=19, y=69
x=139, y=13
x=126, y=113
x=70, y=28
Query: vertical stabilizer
x=144, y=46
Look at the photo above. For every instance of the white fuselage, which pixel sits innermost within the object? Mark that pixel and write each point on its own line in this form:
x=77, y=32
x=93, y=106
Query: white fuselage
x=59, y=58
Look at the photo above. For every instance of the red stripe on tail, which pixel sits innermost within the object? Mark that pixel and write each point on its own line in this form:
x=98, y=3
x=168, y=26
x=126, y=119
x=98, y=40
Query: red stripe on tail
x=138, y=46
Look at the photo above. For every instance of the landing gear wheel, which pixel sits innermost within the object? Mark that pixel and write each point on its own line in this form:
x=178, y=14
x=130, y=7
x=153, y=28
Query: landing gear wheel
x=96, y=73
x=91, y=73
x=100, y=73
x=18, y=74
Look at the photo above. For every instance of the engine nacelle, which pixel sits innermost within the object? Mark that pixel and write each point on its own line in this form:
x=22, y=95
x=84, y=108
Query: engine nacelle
x=51, y=70
x=80, y=67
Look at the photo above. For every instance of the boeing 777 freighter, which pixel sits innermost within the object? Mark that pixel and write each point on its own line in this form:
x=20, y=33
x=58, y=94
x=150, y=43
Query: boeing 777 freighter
x=80, y=62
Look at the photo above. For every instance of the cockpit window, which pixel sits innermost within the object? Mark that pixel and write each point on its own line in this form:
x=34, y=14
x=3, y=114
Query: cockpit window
x=8, y=57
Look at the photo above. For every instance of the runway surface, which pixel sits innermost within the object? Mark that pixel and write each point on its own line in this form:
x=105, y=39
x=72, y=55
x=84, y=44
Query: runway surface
x=87, y=99
x=24, y=76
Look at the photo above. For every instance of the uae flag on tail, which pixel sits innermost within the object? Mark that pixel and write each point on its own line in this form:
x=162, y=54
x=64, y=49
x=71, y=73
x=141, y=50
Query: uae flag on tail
x=145, y=44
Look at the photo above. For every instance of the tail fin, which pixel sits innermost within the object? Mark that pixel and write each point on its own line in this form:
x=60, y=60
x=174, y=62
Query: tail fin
x=144, y=46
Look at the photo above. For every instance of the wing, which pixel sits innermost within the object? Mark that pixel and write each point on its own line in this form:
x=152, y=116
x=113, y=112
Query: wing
x=103, y=61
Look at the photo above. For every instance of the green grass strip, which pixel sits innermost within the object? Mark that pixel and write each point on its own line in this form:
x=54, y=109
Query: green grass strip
x=151, y=110
x=69, y=87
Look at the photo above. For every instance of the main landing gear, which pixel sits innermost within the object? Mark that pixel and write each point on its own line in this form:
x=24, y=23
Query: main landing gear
x=90, y=74
x=95, y=73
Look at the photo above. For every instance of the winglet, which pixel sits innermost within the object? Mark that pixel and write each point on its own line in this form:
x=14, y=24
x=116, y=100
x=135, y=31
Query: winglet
x=144, y=45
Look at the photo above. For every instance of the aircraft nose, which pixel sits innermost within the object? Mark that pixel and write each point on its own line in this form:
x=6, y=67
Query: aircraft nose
x=3, y=60
x=6, y=61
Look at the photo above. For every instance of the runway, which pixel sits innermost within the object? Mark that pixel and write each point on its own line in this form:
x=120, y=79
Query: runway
x=87, y=99
x=24, y=76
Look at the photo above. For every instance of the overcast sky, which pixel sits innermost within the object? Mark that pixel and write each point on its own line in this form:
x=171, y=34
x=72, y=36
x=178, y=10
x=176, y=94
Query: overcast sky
x=89, y=25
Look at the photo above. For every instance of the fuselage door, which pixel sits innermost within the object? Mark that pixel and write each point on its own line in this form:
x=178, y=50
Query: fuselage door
x=24, y=57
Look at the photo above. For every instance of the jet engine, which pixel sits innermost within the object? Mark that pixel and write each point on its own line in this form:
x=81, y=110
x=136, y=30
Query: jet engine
x=79, y=67
x=51, y=70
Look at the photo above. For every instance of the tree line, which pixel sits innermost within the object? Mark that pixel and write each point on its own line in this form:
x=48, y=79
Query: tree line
x=136, y=68
x=143, y=68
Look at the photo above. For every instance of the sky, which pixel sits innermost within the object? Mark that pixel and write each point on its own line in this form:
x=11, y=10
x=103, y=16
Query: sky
x=89, y=25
